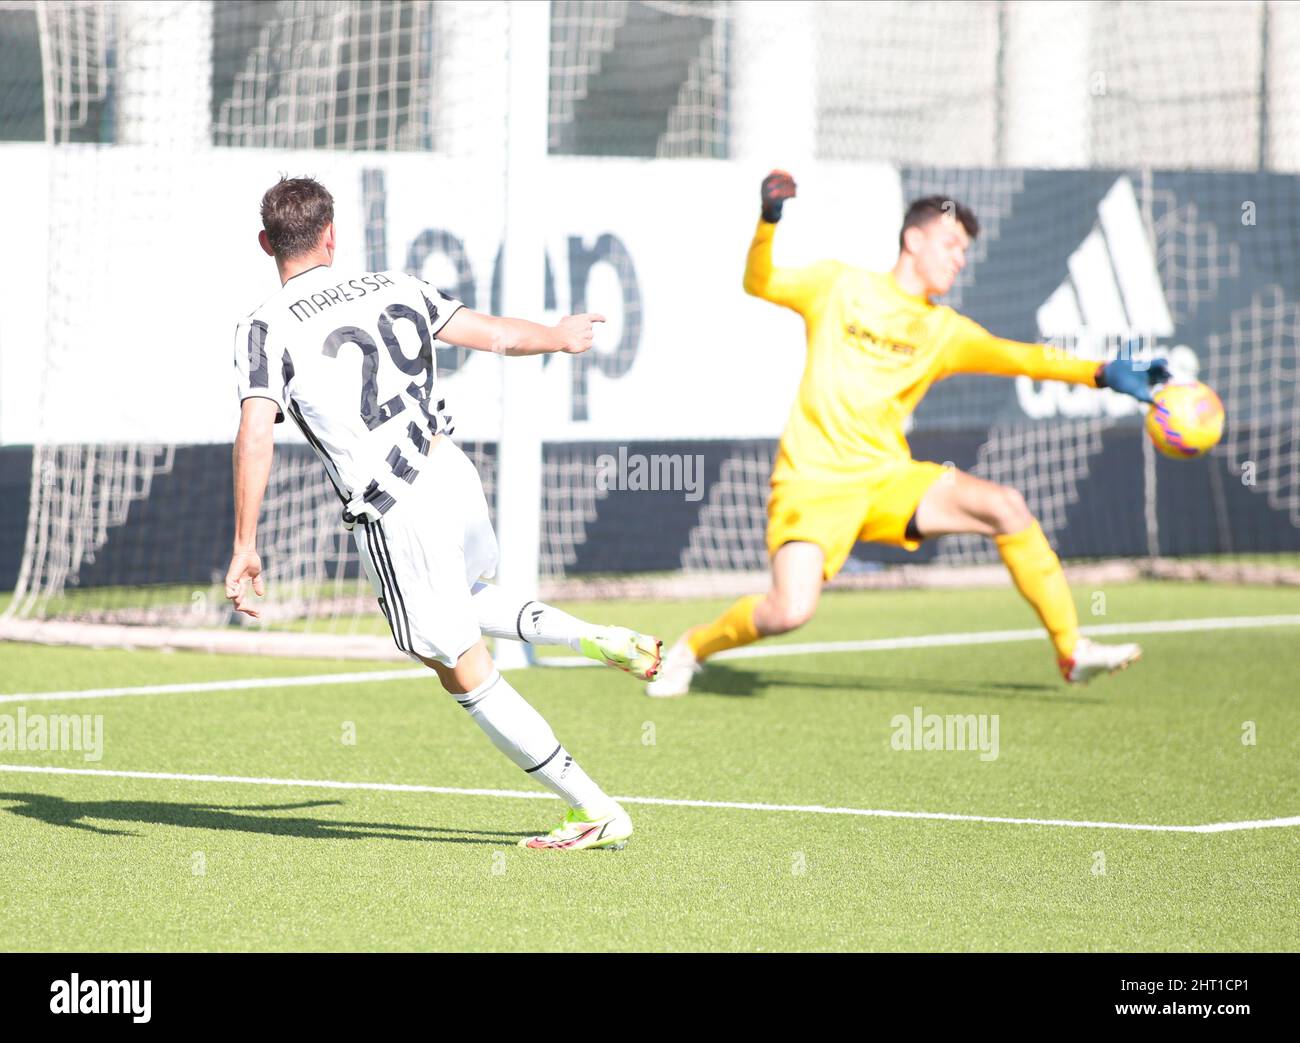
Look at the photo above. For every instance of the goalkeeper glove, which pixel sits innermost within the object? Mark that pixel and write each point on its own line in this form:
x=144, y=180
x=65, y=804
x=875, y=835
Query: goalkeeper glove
x=1128, y=378
x=778, y=186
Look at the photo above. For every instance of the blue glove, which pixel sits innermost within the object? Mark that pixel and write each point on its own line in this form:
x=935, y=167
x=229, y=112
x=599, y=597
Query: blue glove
x=1130, y=378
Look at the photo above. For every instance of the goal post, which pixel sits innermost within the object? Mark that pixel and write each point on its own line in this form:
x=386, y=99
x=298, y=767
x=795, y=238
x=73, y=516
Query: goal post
x=523, y=413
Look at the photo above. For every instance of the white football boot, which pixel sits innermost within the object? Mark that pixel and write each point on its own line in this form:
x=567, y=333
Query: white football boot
x=679, y=667
x=581, y=832
x=1092, y=658
x=637, y=654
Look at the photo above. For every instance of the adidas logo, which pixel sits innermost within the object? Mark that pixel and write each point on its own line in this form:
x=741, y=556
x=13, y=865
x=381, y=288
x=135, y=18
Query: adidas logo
x=1111, y=294
x=568, y=763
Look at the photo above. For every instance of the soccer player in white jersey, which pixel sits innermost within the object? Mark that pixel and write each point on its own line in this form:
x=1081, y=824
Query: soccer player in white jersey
x=349, y=356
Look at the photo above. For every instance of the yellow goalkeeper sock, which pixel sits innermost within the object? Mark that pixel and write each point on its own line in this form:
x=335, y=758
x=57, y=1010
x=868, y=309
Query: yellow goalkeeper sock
x=1036, y=570
x=733, y=628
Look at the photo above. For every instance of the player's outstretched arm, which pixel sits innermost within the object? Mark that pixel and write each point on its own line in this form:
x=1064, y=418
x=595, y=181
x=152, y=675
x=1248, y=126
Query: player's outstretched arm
x=254, y=448
x=975, y=350
x=471, y=329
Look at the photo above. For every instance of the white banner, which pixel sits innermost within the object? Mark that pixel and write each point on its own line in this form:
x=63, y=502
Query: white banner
x=153, y=258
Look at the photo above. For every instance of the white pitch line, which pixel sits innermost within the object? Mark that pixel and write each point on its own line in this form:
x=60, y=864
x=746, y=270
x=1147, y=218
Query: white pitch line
x=982, y=637
x=803, y=809
x=761, y=651
x=225, y=686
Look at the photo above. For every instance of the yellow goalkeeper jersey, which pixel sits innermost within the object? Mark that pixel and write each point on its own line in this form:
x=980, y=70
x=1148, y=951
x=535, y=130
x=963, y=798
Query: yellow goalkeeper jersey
x=873, y=352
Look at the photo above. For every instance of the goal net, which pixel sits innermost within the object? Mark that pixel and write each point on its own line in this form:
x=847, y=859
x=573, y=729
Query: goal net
x=162, y=124
x=1133, y=167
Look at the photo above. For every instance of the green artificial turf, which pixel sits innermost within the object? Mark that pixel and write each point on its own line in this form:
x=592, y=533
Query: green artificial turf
x=107, y=863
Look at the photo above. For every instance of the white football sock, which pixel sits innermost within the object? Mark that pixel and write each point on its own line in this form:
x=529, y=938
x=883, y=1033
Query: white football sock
x=523, y=735
x=501, y=614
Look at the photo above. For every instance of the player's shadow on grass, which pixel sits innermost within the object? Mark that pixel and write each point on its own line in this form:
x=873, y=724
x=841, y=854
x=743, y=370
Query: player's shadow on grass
x=720, y=679
x=80, y=814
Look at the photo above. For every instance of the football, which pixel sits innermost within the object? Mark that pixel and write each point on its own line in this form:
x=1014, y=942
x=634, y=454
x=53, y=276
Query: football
x=1186, y=420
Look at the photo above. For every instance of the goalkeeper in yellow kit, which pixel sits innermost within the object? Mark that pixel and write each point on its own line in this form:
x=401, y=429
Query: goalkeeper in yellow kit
x=844, y=473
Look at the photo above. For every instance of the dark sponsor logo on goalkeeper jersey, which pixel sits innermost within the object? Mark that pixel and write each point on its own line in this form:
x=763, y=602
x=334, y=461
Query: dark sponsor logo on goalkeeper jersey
x=864, y=336
x=354, y=289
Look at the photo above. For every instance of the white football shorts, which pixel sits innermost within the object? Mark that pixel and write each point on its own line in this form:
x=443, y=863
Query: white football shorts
x=424, y=555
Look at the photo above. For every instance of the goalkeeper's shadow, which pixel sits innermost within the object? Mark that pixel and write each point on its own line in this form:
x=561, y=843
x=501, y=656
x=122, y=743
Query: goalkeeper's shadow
x=722, y=679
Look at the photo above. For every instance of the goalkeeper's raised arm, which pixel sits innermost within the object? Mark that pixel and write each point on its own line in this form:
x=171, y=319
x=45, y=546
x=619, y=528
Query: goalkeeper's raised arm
x=797, y=288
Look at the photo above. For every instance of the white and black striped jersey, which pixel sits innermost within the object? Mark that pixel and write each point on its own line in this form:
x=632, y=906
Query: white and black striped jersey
x=349, y=356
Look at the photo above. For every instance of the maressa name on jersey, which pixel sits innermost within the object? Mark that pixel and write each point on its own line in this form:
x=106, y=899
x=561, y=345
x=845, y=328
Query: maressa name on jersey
x=354, y=289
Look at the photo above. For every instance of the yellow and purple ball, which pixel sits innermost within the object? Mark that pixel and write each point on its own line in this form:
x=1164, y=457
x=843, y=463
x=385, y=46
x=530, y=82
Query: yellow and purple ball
x=1186, y=420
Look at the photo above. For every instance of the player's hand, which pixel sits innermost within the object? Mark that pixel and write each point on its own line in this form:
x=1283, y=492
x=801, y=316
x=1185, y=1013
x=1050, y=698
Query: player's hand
x=245, y=565
x=1130, y=377
x=576, y=332
x=778, y=186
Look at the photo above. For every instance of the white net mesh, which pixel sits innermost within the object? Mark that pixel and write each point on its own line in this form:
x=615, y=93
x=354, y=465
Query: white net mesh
x=85, y=492
x=631, y=78
x=346, y=74
x=76, y=64
x=1045, y=463
x=909, y=102
x=581, y=35
x=1192, y=260
x=1254, y=366
x=161, y=93
x=570, y=495
x=730, y=534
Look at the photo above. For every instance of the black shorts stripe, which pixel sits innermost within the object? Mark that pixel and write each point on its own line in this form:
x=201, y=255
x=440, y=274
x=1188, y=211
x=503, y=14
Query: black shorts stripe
x=400, y=608
x=384, y=598
x=396, y=617
x=539, y=767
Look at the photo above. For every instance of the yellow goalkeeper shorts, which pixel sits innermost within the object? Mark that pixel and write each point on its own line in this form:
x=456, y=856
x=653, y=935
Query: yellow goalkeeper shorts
x=836, y=515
